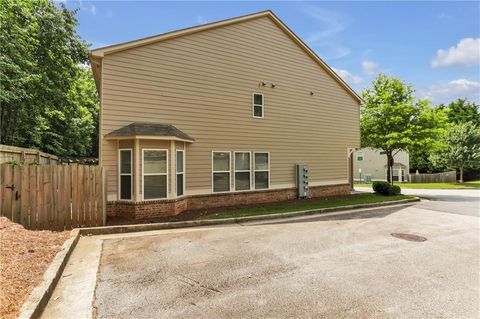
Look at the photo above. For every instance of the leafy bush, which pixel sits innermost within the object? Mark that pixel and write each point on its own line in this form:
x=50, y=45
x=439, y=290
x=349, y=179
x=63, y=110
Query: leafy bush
x=395, y=190
x=385, y=188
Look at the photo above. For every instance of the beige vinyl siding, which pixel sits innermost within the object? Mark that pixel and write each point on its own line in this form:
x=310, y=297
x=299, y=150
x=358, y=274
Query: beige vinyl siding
x=374, y=163
x=203, y=84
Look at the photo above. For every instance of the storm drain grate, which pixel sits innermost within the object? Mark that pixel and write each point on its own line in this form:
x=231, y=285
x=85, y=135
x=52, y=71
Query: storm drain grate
x=409, y=237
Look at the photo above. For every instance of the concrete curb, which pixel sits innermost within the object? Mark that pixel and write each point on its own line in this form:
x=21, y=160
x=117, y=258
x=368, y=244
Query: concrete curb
x=37, y=300
x=106, y=230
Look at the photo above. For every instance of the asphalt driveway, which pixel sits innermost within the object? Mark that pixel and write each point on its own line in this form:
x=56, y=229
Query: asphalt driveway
x=454, y=201
x=332, y=268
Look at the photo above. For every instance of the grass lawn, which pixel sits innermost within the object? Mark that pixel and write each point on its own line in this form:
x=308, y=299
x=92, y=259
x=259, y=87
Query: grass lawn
x=308, y=205
x=466, y=185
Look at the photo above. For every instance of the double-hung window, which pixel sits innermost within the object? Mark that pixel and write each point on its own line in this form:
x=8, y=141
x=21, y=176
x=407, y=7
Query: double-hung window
x=221, y=171
x=261, y=168
x=180, y=172
x=242, y=171
x=359, y=156
x=155, y=163
x=125, y=174
x=258, y=105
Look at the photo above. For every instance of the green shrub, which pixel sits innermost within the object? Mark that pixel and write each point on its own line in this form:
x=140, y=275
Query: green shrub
x=385, y=188
x=395, y=190
x=381, y=187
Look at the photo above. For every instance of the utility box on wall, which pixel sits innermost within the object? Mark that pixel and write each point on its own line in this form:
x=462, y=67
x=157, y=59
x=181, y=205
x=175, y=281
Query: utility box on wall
x=302, y=180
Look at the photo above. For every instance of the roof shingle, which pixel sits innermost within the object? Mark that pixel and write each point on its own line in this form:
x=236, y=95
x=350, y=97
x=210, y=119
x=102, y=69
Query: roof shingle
x=149, y=129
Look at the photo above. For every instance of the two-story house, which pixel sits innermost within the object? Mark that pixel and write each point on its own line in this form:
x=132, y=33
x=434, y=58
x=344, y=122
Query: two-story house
x=370, y=164
x=219, y=115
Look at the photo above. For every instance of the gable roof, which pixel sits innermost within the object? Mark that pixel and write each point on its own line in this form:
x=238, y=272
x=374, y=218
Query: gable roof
x=145, y=129
x=96, y=55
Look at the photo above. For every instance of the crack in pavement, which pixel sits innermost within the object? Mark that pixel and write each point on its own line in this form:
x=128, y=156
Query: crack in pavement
x=192, y=282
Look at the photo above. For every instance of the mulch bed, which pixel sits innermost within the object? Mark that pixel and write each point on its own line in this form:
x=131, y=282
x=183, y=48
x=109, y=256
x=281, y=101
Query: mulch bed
x=24, y=257
x=202, y=213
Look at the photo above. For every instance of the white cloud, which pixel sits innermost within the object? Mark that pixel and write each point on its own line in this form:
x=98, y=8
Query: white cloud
x=447, y=92
x=369, y=67
x=93, y=10
x=348, y=77
x=330, y=51
x=467, y=53
x=329, y=24
x=444, y=16
x=201, y=20
x=329, y=21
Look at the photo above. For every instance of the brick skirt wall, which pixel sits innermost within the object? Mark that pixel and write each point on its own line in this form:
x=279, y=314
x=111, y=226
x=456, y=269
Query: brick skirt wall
x=170, y=207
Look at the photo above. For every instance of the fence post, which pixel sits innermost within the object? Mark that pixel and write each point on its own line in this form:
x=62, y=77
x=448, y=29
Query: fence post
x=104, y=196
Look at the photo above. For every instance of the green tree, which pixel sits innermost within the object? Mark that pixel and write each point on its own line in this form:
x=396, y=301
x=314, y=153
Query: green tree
x=462, y=111
x=420, y=156
x=461, y=148
x=82, y=121
x=392, y=121
x=459, y=111
x=42, y=80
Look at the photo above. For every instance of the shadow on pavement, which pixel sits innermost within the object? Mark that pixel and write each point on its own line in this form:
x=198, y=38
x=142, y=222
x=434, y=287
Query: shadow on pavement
x=361, y=214
x=450, y=198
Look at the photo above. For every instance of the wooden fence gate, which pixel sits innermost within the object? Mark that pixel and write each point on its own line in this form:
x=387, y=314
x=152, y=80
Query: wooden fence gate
x=54, y=197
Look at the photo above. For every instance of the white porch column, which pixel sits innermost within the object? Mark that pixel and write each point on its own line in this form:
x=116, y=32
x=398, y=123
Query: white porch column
x=137, y=174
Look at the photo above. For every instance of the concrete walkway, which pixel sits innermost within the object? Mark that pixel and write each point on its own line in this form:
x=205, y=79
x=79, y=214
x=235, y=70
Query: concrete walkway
x=73, y=295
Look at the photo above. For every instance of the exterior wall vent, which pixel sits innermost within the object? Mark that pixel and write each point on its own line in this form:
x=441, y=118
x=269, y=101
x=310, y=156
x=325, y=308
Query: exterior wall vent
x=302, y=180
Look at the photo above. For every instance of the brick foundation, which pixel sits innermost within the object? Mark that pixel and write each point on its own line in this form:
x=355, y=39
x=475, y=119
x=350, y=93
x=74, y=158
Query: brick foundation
x=170, y=207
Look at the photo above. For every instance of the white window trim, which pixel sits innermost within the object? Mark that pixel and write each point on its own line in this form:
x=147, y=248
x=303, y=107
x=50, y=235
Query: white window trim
x=153, y=174
x=242, y=171
x=363, y=156
x=261, y=170
x=177, y=173
x=229, y=172
x=262, y=105
x=119, y=189
x=404, y=179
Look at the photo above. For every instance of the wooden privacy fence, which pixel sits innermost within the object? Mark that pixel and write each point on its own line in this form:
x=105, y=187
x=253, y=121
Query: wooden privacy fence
x=54, y=197
x=25, y=155
x=445, y=177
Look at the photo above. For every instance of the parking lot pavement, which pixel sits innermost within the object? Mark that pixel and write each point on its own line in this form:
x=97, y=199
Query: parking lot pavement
x=454, y=201
x=345, y=268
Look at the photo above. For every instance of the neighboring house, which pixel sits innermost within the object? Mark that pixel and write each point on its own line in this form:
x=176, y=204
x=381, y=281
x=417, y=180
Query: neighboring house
x=371, y=164
x=219, y=115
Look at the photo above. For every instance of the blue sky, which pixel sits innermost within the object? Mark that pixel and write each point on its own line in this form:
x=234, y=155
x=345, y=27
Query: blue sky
x=433, y=45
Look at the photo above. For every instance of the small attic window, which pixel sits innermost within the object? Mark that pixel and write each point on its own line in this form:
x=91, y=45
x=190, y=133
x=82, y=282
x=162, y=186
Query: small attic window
x=258, y=105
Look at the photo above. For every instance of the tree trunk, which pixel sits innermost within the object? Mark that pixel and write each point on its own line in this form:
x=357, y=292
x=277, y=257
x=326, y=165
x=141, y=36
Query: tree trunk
x=389, y=167
x=461, y=175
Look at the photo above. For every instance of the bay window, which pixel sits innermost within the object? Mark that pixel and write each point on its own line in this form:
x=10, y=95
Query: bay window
x=180, y=172
x=155, y=163
x=125, y=184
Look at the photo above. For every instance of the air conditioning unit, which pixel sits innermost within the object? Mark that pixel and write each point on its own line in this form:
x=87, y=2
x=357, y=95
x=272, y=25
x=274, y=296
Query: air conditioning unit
x=367, y=178
x=302, y=180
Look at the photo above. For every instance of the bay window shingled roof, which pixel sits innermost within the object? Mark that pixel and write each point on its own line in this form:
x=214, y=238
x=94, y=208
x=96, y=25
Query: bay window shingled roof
x=149, y=129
